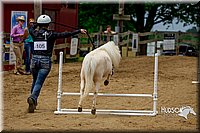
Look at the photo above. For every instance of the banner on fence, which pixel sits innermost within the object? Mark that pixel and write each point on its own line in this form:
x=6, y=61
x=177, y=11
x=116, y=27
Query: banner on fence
x=151, y=49
x=169, y=42
x=74, y=46
x=135, y=42
x=116, y=37
x=15, y=14
x=12, y=58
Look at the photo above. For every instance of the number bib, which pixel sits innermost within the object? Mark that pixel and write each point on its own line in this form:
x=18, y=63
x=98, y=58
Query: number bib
x=40, y=45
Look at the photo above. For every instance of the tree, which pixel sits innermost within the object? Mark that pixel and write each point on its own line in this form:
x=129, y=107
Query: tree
x=192, y=30
x=143, y=15
x=92, y=16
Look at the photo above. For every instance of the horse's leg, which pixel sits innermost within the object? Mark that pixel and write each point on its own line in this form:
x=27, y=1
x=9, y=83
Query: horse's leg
x=93, y=111
x=82, y=86
x=112, y=70
x=106, y=82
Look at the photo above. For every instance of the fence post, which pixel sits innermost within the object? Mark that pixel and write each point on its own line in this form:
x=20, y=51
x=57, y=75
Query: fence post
x=156, y=39
x=178, y=34
x=198, y=63
x=127, y=45
x=100, y=32
x=139, y=43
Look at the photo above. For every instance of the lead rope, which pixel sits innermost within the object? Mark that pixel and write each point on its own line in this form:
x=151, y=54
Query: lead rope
x=64, y=25
x=93, y=46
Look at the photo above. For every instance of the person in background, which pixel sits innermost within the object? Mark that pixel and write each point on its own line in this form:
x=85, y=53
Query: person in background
x=109, y=33
x=17, y=34
x=28, y=46
x=44, y=40
x=108, y=30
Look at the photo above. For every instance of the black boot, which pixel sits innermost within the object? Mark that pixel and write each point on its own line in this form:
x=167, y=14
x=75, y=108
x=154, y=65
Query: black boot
x=32, y=105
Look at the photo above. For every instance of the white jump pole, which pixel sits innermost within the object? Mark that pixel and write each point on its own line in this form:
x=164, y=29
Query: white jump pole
x=155, y=84
x=59, y=93
x=106, y=111
x=108, y=95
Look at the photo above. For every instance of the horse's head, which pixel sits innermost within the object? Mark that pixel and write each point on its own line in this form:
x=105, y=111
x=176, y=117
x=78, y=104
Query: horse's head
x=184, y=111
x=192, y=111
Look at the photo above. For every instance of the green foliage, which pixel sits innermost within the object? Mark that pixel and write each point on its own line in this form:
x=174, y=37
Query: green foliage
x=143, y=15
x=192, y=30
x=190, y=37
x=92, y=16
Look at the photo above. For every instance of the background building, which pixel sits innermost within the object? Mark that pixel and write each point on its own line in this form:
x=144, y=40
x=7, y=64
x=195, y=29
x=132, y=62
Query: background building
x=60, y=12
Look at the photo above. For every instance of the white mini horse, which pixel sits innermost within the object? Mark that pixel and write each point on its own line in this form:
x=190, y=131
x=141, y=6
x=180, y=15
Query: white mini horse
x=97, y=65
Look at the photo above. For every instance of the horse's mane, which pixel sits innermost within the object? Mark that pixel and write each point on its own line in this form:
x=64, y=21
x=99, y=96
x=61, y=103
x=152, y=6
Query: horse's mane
x=113, y=52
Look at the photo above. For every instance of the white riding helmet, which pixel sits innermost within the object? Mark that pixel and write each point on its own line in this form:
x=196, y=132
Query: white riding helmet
x=43, y=19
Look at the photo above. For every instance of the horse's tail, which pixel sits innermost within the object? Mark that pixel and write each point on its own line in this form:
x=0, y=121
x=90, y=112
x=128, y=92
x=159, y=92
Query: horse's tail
x=89, y=70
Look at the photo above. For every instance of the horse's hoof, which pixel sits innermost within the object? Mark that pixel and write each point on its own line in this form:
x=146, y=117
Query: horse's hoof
x=79, y=109
x=93, y=111
x=106, y=82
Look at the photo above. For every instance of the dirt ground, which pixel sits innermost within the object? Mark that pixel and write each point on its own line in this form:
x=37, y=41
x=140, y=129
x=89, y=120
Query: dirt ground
x=134, y=75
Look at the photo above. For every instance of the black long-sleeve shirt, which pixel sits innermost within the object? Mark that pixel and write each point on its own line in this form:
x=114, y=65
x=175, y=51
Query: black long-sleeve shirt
x=44, y=39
